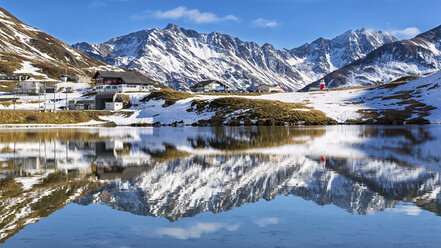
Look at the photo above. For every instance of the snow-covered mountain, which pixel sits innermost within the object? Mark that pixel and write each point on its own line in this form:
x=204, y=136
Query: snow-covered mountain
x=339, y=166
x=181, y=57
x=27, y=50
x=184, y=188
x=416, y=56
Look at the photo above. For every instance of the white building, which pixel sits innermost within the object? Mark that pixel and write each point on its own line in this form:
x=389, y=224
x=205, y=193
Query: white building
x=120, y=82
x=29, y=87
x=113, y=106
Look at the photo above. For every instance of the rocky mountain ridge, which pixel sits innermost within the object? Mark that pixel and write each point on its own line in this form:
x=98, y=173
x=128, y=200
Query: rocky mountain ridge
x=416, y=56
x=180, y=57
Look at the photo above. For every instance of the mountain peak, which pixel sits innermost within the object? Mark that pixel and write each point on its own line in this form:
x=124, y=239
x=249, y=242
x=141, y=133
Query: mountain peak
x=171, y=26
x=183, y=57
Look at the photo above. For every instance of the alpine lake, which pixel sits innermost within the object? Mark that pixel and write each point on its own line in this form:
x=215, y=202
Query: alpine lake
x=324, y=186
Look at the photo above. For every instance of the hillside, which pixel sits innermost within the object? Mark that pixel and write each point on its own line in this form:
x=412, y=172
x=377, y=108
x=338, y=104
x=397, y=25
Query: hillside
x=419, y=55
x=27, y=50
x=182, y=57
x=417, y=101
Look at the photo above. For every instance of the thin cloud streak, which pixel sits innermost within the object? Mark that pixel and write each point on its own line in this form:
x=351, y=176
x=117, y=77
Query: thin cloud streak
x=191, y=15
x=264, y=23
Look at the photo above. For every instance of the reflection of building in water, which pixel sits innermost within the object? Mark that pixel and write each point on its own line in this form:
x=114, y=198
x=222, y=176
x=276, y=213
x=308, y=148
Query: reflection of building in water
x=271, y=158
x=28, y=165
x=42, y=157
x=216, y=160
x=114, y=161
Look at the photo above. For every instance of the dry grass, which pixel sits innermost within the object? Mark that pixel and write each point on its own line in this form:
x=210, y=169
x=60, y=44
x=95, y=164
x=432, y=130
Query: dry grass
x=236, y=111
x=397, y=116
x=35, y=117
x=170, y=96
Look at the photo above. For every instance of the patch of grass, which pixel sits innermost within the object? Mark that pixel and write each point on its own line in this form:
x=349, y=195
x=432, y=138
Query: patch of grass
x=63, y=117
x=396, y=116
x=236, y=111
x=170, y=96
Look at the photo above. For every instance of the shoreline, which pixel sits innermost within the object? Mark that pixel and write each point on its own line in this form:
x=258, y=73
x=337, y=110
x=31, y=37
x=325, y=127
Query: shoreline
x=138, y=125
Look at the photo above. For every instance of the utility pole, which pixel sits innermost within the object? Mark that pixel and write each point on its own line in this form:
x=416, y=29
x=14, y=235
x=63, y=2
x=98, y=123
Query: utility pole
x=66, y=101
x=39, y=107
x=55, y=98
x=44, y=104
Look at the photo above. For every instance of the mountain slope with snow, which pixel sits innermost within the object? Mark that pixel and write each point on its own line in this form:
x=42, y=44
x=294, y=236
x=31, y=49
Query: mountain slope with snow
x=181, y=57
x=416, y=56
x=27, y=50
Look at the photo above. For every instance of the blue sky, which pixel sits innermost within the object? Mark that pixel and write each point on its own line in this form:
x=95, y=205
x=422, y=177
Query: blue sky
x=284, y=23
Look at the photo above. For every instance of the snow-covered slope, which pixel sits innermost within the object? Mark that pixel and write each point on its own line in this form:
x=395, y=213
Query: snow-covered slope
x=27, y=50
x=181, y=57
x=416, y=56
x=417, y=101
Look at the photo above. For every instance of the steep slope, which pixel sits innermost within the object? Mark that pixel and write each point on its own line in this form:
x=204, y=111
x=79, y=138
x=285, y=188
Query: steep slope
x=323, y=56
x=419, y=55
x=27, y=50
x=181, y=57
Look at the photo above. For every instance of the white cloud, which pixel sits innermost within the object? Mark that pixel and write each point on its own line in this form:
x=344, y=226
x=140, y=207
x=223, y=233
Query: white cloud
x=264, y=23
x=263, y=222
x=407, y=32
x=195, y=231
x=192, y=15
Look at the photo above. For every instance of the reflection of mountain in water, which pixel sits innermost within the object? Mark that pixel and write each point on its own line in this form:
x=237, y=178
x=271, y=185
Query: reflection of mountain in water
x=179, y=172
x=185, y=188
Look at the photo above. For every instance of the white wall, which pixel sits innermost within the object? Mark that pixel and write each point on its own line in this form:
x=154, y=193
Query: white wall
x=114, y=106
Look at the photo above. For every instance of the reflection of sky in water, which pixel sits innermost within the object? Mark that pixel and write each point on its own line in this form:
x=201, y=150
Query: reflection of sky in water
x=287, y=221
x=330, y=187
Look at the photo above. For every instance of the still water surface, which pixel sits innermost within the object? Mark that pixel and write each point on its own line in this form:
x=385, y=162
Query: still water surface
x=335, y=186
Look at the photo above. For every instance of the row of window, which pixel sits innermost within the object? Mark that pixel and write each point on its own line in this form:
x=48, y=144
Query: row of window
x=116, y=87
